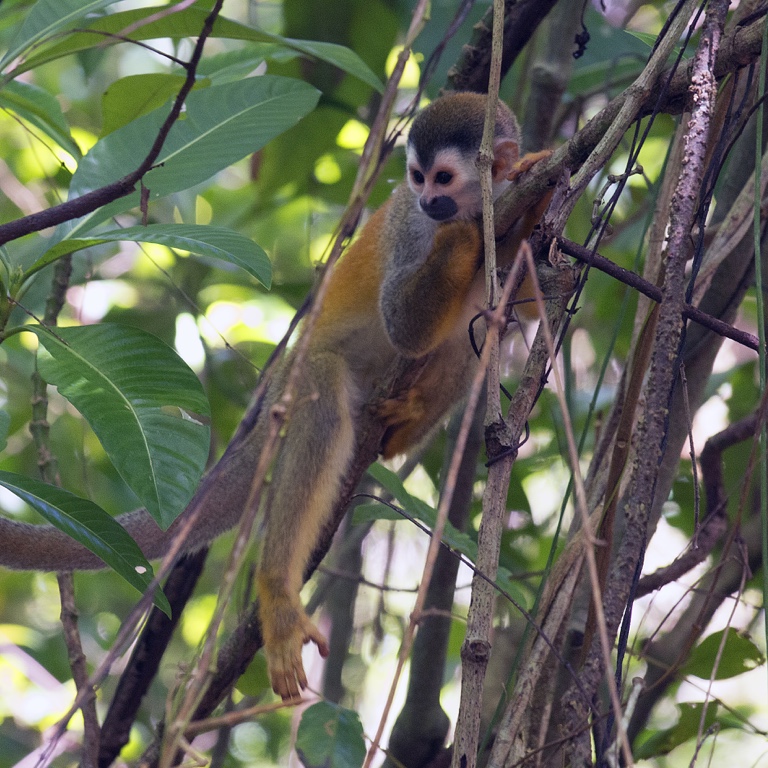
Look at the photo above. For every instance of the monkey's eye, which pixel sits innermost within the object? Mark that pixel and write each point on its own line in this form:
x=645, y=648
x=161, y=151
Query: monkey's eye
x=443, y=177
x=417, y=176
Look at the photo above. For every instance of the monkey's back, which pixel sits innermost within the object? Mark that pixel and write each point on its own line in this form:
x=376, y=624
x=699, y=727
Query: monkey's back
x=349, y=322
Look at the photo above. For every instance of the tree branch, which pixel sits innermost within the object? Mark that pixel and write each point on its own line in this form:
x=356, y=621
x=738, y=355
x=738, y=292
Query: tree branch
x=91, y=201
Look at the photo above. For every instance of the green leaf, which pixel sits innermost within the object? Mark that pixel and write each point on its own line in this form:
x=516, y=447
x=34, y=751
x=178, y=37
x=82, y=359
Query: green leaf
x=90, y=525
x=739, y=655
x=221, y=125
x=144, y=404
x=42, y=110
x=136, y=95
x=47, y=17
x=644, y=37
x=205, y=240
x=420, y=510
x=188, y=23
x=239, y=63
x=330, y=736
x=687, y=727
x=337, y=55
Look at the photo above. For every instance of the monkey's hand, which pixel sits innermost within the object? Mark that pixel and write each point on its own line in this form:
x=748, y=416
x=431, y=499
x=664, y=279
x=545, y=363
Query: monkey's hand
x=286, y=628
x=406, y=420
x=394, y=411
x=526, y=162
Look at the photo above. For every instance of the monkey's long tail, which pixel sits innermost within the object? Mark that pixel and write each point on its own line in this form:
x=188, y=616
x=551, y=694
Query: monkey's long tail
x=222, y=495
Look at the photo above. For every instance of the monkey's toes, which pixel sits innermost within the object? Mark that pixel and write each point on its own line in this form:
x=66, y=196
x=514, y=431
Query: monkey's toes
x=286, y=670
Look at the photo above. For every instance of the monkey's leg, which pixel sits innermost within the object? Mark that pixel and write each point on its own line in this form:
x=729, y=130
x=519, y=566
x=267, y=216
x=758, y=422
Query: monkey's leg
x=314, y=457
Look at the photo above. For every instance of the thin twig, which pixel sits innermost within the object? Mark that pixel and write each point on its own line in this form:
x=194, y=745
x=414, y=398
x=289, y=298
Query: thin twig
x=48, y=468
x=581, y=504
x=480, y=617
x=653, y=292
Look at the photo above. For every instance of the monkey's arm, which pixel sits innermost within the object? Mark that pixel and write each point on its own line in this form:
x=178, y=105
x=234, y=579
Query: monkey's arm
x=518, y=226
x=422, y=300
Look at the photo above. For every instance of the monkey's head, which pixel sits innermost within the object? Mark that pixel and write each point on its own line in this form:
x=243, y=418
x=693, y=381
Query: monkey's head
x=442, y=152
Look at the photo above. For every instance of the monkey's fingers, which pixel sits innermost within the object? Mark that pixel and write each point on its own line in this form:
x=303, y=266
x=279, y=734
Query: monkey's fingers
x=526, y=162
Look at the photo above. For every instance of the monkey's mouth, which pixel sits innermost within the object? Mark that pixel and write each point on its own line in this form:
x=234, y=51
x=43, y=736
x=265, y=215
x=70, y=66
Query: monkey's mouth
x=440, y=217
x=439, y=208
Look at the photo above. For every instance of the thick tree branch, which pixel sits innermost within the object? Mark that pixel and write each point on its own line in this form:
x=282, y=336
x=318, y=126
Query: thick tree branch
x=521, y=20
x=663, y=372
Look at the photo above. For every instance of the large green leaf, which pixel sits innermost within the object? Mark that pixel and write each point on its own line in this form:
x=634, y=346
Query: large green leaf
x=214, y=242
x=42, y=110
x=221, y=125
x=47, y=17
x=89, y=524
x=330, y=736
x=145, y=405
x=188, y=23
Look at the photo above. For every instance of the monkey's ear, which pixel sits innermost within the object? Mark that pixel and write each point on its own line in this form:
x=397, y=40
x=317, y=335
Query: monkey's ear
x=505, y=156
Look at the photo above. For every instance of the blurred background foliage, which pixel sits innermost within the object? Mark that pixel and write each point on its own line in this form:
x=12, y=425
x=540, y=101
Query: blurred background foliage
x=288, y=198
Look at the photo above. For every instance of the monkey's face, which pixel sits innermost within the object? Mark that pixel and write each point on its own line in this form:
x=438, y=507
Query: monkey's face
x=448, y=187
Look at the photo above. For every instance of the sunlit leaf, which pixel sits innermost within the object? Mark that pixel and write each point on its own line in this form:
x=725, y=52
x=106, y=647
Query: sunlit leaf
x=42, y=110
x=90, y=525
x=46, y=17
x=145, y=405
x=220, y=125
x=188, y=23
x=213, y=242
x=136, y=95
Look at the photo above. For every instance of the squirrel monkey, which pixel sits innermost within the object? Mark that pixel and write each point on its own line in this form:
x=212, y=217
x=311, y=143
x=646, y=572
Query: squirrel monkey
x=408, y=285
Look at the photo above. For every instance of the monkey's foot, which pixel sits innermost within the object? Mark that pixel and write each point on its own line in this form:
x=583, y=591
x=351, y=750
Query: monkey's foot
x=283, y=640
x=526, y=162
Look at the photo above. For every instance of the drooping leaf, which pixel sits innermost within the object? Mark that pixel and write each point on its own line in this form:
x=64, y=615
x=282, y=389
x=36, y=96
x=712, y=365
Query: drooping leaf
x=740, y=654
x=421, y=511
x=90, y=525
x=42, y=110
x=221, y=125
x=145, y=405
x=330, y=736
x=136, y=95
x=47, y=17
x=205, y=240
x=188, y=23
